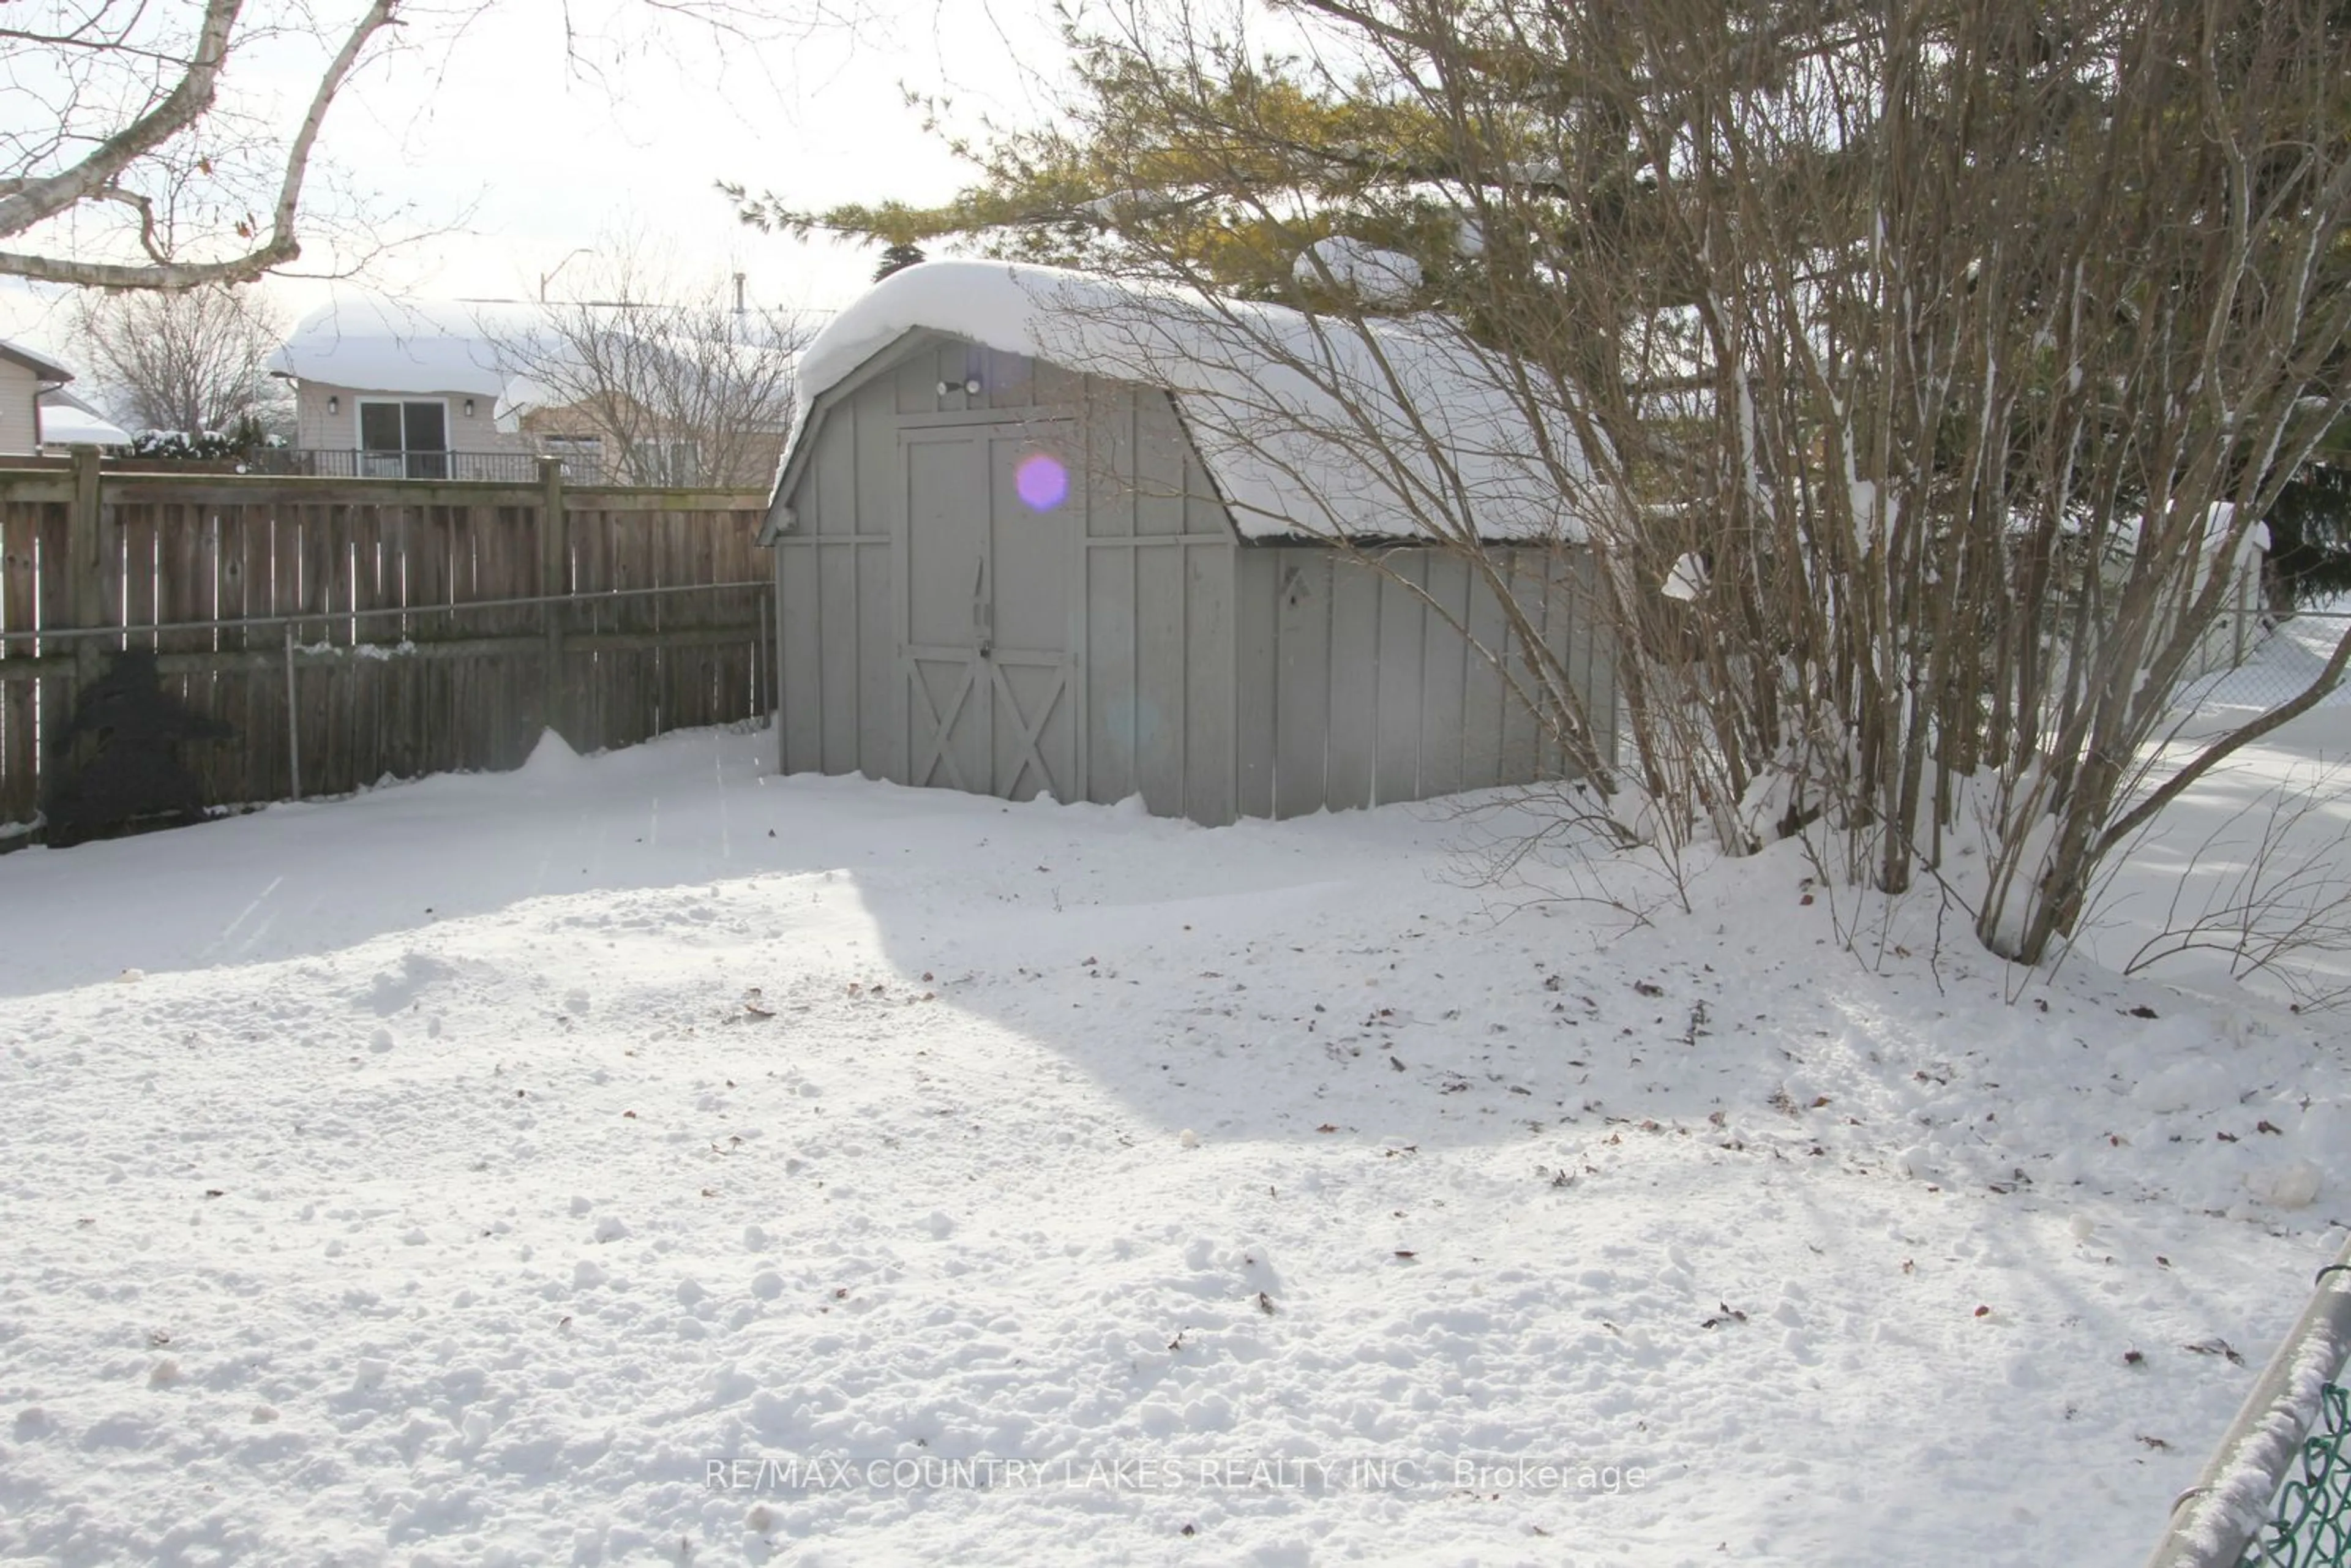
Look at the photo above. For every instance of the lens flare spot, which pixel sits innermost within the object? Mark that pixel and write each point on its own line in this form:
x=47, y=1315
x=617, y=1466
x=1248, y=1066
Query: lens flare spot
x=1043, y=484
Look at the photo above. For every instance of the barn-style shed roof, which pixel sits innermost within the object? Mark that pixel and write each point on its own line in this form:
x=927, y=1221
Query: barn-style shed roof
x=1308, y=426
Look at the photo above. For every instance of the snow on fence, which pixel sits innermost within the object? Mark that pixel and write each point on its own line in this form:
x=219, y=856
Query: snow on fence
x=2277, y=1491
x=345, y=630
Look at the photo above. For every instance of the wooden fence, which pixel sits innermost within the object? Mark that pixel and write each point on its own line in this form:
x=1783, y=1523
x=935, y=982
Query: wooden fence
x=347, y=629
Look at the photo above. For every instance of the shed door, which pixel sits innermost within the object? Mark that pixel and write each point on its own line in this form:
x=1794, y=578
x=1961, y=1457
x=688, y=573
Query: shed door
x=990, y=557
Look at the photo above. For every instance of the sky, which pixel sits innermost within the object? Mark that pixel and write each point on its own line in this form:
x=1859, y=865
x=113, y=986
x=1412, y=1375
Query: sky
x=493, y=153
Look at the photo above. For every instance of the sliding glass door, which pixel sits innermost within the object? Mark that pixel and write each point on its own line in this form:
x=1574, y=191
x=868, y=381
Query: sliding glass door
x=404, y=440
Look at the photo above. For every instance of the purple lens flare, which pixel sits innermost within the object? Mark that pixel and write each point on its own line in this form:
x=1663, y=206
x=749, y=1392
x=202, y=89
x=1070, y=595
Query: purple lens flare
x=1041, y=481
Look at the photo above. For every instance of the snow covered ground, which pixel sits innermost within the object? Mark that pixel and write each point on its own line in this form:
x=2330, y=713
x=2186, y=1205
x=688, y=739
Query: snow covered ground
x=2258, y=849
x=562, y=1167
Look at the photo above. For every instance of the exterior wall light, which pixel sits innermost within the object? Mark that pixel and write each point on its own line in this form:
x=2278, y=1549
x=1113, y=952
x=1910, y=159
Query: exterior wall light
x=334, y=403
x=469, y=408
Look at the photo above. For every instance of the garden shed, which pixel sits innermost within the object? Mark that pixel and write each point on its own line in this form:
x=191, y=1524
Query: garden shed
x=1037, y=532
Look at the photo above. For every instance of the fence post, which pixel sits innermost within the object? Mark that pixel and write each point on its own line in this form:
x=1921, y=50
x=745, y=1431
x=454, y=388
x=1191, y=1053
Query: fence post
x=554, y=537
x=86, y=563
x=2212, y=1521
x=293, y=721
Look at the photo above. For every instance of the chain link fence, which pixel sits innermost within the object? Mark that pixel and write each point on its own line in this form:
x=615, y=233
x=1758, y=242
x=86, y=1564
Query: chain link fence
x=2276, y=1492
x=2256, y=660
x=2251, y=660
x=2312, y=1526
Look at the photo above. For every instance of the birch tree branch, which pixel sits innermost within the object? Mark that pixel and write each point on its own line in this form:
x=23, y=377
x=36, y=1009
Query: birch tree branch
x=181, y=108
x=95, y=177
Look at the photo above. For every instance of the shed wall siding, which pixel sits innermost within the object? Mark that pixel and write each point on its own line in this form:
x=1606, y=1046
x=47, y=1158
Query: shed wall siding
x=836, y=634
x=1374, y=695
x=1158, y=670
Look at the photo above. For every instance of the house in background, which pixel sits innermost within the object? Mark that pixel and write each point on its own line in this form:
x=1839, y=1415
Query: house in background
x=24, y=377
x=390, y=390
x=634, y=444
x=384, y=390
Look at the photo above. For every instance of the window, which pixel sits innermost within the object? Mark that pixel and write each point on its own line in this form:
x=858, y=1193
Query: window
x=583, y=457
x=404, y=440
x=666, y=460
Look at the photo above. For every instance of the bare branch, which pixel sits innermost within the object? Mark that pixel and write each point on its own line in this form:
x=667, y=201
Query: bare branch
x=181, y=108
x=193, y=360
x=675, y=386
x=2329, y=677
x=96, y=176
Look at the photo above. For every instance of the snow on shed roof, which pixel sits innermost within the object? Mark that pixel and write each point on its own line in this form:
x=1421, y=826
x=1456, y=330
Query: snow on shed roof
x=382, y=345
x=1307, y=425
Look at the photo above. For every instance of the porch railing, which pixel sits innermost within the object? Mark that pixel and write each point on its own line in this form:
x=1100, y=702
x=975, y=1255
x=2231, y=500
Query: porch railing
x=501, y=467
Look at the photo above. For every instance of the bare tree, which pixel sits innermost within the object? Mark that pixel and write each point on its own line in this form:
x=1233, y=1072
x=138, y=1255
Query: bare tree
x=134, y=156
x=676, y=387
x=121, y=114
x=192, y=361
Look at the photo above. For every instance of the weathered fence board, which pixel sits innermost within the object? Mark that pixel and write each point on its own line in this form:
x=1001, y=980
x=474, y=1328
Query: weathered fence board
x=361, y=629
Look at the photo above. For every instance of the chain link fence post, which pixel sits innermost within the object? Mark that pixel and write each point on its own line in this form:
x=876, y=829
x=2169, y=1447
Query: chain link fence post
x=2215, y=1522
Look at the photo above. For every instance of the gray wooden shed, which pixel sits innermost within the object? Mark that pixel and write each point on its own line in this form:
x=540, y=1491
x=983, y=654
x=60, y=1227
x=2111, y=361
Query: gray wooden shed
x=1012, y=570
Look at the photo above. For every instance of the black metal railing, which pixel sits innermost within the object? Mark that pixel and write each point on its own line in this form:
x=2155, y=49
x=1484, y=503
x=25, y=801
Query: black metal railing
x=517, y=467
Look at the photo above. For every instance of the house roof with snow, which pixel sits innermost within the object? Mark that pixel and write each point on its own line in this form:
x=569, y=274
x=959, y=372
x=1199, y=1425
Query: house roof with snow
x=68, y=421
x=1308, y=427
x=41, y=365
x=396, y=346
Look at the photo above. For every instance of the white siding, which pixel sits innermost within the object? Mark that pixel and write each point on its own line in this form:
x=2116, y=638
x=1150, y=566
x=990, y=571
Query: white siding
x=20, y=428
x=315, y=428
